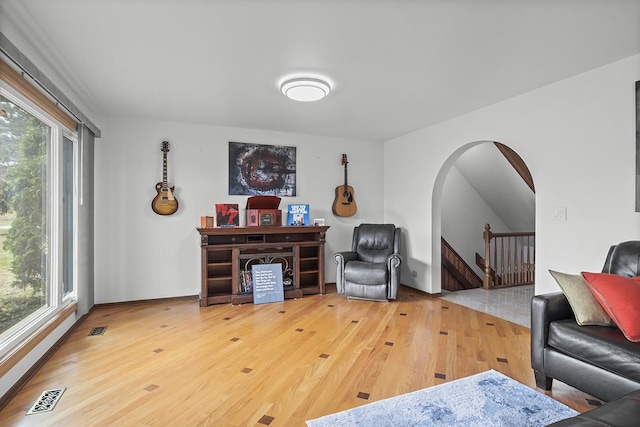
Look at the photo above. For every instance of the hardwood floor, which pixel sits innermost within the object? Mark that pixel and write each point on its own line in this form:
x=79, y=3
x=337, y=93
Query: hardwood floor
x=279, y=364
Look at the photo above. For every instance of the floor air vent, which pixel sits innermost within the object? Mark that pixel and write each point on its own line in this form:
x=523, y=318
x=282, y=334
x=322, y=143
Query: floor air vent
x=97, y=331
x=47, y=401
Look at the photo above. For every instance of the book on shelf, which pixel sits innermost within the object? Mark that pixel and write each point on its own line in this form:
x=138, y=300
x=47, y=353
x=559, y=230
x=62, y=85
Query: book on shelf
x=246, y=282
x=227, y=215
x=298, y=214
x=206, y=222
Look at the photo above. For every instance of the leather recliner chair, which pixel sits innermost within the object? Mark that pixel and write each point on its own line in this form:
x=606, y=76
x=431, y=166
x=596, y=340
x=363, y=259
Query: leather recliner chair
x=371, y=269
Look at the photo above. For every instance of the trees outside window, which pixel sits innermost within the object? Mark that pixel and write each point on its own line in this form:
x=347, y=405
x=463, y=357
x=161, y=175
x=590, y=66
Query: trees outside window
x=36, y=215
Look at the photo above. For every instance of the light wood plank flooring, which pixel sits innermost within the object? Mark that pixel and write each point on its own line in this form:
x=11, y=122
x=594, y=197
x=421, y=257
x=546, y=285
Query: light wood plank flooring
x=176, y=364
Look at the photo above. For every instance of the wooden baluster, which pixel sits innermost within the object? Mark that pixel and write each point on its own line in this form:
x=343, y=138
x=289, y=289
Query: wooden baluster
x=503, y=271
x=528, y=265
x=533, y=263
x=525, y=260
x=509, y=260
x=516, y=261
x=495, y=262
x=519, y=265
x=528, y=255
x=521, y=261
x=486, y=282
x=507, y=263
x=512, y=259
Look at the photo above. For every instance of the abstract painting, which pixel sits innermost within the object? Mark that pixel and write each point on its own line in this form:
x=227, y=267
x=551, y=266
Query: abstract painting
x=257, y=169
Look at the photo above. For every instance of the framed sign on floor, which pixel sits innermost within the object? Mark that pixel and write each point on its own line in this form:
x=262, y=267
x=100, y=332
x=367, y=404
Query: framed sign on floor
x=267, y=283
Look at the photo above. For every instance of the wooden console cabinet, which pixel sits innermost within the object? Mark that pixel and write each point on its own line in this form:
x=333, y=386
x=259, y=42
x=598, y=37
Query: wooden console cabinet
x=228, y=251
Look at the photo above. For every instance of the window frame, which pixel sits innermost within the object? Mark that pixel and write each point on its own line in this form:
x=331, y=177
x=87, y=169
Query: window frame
x=72, y=295
x=17, y=338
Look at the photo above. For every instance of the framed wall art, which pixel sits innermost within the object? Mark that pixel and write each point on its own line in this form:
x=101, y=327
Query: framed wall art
x=638, y=146
x=257, y=169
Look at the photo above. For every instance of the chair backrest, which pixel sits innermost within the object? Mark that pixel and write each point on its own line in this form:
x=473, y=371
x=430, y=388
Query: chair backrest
x=374, y=242
x=623, y=259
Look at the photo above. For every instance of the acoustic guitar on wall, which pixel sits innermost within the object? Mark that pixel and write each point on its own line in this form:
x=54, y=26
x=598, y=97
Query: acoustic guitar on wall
x=344, y=203
x=165, y=202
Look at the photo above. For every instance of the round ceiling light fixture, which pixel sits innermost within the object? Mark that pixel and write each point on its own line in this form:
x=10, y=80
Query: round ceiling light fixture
x=305, y=89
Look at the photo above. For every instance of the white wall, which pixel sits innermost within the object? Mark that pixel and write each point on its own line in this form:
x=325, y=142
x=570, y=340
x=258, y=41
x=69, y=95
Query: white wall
x=494, y=178
x=464, y=215
x=577, y=137
x=141, y=255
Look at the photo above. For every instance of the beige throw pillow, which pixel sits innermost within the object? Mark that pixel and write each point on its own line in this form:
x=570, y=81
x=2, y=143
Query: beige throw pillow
x=585, y=306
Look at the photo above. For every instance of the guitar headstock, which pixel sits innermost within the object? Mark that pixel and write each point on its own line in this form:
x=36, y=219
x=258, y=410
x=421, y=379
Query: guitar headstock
x=165, y=147
x=344, y=159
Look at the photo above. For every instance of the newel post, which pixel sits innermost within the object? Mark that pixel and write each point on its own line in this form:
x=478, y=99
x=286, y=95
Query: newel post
x=486, y=283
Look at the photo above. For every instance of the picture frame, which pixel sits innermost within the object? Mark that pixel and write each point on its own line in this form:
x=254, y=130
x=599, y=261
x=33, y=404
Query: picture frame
x=227, y=215
x=298, y=214
x=638, y=146
x=259, y=169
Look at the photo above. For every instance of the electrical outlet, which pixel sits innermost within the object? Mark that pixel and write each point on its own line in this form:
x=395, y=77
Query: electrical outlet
x=414, y=273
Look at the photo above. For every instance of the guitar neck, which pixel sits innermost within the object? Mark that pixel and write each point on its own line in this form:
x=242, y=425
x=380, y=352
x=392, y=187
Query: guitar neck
x=165, y=186
x=345, y=176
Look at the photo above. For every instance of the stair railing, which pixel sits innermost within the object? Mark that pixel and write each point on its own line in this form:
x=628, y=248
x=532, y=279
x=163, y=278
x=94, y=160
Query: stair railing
x=509, y=258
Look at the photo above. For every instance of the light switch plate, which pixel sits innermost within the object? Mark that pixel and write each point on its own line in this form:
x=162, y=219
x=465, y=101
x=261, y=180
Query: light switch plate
x=560, y=213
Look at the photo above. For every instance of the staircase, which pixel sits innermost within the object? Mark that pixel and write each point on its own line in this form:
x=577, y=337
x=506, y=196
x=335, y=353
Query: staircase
x=509, y=260
x=456, y=273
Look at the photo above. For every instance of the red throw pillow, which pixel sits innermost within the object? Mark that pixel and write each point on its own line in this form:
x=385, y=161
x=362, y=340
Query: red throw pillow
x=620, y=298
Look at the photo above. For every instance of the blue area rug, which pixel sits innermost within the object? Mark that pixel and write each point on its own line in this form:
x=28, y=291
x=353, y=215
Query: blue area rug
x=481, y=400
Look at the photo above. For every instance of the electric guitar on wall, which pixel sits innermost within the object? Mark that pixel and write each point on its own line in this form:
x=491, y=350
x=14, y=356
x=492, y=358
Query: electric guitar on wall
x=344, y=204
x=165, y=202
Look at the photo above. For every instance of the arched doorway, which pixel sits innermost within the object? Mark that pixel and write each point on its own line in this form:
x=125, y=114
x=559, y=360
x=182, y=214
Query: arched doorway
x=482, y=182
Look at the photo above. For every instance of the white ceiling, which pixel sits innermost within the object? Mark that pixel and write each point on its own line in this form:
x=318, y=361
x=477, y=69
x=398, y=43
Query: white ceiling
x=396, y=65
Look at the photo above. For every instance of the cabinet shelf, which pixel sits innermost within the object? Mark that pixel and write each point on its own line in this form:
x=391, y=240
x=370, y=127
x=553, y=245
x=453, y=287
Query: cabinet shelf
x=217, y=294
x=228, y=251
x=219, y=279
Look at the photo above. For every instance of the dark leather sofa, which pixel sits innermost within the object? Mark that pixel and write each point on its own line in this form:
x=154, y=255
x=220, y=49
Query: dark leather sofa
x=598, y=360
x=622, y=412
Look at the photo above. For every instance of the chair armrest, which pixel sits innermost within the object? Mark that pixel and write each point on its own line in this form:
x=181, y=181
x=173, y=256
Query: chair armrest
x=344, y=257
x=393, y=265
x=545, y=309
x=341, y=258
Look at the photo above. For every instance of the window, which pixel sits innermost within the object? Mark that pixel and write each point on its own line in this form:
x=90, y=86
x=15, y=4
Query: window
x=68, y=216
x=37, y=218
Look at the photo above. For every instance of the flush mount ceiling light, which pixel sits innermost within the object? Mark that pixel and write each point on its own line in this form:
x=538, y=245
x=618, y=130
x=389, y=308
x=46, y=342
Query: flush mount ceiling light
x=305, y=89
